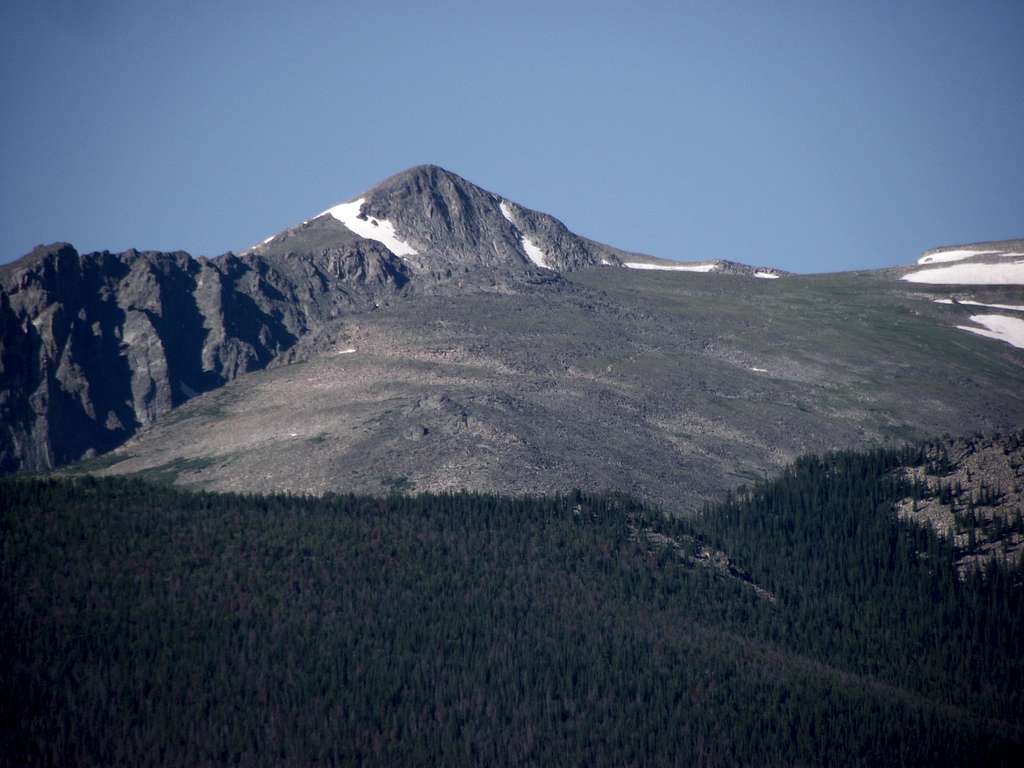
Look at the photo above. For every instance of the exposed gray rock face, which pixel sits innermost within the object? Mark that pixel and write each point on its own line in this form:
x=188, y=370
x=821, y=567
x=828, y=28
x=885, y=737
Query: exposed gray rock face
x=454, y=225
x=94, y=346
x=971, y=490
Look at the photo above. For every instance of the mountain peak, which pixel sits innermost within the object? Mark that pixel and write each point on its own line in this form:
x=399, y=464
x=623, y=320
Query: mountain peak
x=424, y=171
x=439, y=224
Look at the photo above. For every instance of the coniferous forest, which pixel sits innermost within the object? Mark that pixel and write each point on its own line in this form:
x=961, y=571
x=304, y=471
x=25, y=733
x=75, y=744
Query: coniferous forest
x=144, y=625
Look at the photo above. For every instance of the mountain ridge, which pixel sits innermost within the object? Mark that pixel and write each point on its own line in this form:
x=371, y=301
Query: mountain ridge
x=448, y=222
x=96, y=347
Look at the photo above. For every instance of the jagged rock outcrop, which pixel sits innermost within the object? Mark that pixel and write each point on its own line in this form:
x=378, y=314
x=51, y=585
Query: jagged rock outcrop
x=971, y=490
x=94, y=346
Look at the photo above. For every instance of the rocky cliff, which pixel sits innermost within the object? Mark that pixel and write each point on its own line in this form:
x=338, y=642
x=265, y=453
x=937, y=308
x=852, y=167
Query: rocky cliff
x=94, y=346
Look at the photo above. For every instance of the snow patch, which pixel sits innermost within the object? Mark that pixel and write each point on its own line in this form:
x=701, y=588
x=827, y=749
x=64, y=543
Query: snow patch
x=759, y=370
x=537, y=256
x=506, y=211
x=348, y=351
x=533, y=251
x=958, y=254
x=971, y=274
x=381, y=230
x=671, y=267
x=1008, y=329
x=269, y=239
x=767, y=275
x=1015, y=307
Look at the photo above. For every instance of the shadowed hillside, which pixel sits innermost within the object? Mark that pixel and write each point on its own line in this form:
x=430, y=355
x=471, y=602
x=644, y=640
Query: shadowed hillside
x=800, y=622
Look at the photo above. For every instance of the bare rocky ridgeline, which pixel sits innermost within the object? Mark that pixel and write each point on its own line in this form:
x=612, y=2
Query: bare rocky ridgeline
x=95, y=346
x=972, y=490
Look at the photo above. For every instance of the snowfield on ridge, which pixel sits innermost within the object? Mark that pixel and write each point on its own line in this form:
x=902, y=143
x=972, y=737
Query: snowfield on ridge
x=970, y=274
x=958, y=254
x=381, y=230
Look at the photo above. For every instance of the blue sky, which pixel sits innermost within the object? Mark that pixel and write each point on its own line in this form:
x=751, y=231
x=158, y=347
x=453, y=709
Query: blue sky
x=812, y=136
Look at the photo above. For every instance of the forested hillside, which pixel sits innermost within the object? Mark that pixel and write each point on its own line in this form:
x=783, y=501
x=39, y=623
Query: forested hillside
x=144, y=625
